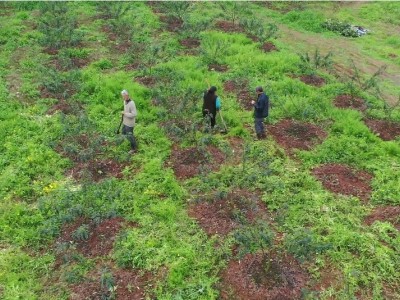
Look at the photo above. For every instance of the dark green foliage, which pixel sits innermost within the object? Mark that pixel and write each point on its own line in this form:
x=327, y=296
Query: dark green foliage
x=309, y=64
x=177, y=9
x=343, y=28
x=58, y=26
x=81, y=233
x=303, y=245
x=254, y=237
x=232, y=10
x=257, y=29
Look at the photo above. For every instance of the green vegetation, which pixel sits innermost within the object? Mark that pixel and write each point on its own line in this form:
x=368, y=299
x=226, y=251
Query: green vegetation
x=62, y=68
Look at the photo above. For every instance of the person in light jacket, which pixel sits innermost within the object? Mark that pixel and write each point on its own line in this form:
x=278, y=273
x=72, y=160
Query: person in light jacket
x=129, y=115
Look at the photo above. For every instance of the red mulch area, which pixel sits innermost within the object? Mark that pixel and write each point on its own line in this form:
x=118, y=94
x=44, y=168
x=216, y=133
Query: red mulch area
x=132, y=66
x=61, y=106
x=76, y=62
x=257, y=277
x=341, y=179
x=148, y=81
x=313, y=80
x=130, y=285
x=97, y=169
x=385, y=214
x=291, y=134
x=189, y=162
x=386, y=130
x=221, y=216
x=50, y=51
x=173, y=24
x=348, y=101
x=218, y=67
x=101, y=236
x=190, y=43
x=241, y=88
x=227, y=26
x=268, y=47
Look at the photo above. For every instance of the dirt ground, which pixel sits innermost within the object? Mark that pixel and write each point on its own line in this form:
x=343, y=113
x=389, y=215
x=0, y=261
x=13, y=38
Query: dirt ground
x=386, y=130
x=291, y=134
x=258, y=277
x=342, y=179
x=348, y=101
x=389, y=214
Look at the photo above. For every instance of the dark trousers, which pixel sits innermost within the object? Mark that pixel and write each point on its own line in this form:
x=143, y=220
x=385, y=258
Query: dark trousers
x=128, y=132
x=207, y=114
x=259, y=125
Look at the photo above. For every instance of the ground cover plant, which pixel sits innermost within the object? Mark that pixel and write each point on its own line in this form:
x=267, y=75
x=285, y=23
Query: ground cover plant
x=310, y=212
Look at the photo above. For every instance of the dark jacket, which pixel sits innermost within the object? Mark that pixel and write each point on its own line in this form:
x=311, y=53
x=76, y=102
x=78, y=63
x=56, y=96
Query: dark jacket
x=261, y=107
x=210, y=103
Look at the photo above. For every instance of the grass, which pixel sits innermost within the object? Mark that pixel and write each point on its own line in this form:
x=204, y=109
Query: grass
x=319, y=228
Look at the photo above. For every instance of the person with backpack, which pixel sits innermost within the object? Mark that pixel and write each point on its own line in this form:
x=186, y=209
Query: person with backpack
x=128, y=116
x=211, y=105
x=261, y=110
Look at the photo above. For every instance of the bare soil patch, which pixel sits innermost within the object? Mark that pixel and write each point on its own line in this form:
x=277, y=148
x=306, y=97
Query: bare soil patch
x=241, y=88
x=227, y=26
x=313, y=80
x=100, y=239
x=62, y=106
x=221, y=216
x=130, y=285
x=148, y=81
x=259, y=277
x=291, y=134
x=342, y=179
x=190, y=43
x=349, y=101
x=67, y=91
x=386, y=130
x=218, y=67
x=97, y=169
x=268, y=47
x=173, y=24
x=385, y=214
x=50, y=51
x=190, y=162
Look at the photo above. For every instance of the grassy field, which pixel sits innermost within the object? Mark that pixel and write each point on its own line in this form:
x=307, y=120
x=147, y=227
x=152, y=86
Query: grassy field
x=310, y=212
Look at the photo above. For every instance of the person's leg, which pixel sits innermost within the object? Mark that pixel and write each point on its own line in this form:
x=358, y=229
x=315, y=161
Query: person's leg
x=128, y=131
x=212, y=117
x=259, y=127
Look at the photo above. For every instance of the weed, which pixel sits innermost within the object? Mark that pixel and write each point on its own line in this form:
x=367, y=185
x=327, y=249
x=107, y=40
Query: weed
x=82, y=233
x=310, y=64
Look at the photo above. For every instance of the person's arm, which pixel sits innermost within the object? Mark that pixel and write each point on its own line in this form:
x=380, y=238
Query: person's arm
x=218, y=104
x=259, y=105
x=132, y=110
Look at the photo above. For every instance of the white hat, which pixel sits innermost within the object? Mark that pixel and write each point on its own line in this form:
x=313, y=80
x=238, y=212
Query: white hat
x=124, y=92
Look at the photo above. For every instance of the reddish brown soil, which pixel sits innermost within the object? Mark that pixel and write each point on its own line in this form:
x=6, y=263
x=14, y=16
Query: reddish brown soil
x=312, y=80
x=75, y=63
x=257, y=277
x=189, y=162
x=51, y=51
x=392, y=55
x=241, y=88
x=132, y=66
x=348, y=101
x=217, y=67
x=190, y=43
x=227, y=26
x=61, y=106
x=341, y=179
x=110, y=34
x=269, y=47
x=221, y=216
x=330, y=277
x=148, y=81
x=122, y=46
x=291, y=134
x=67, y=89
x=385, y=214
x=386, y=130
x=101, y=236
x=173, y=24
x=130, y=285
x=97, y=169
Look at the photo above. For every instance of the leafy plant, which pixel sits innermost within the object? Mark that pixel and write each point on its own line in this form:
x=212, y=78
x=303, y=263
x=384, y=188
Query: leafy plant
x=310, y=64
x=232, y=9
x=81, y=233
x=58, y=26
x=178, y=9
x=254, y=237
x=343, y=28
x=256, y=29
x=213, y=50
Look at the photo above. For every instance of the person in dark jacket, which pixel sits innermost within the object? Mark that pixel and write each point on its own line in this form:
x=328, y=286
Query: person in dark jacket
x=211, y=104
x=261, y=110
